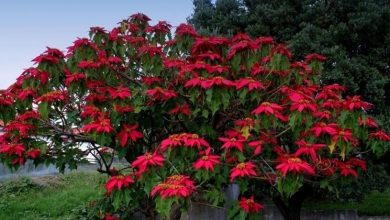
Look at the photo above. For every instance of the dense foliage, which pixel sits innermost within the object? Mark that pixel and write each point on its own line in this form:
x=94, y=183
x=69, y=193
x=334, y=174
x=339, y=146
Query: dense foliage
x=353, y=34
x=191, y=115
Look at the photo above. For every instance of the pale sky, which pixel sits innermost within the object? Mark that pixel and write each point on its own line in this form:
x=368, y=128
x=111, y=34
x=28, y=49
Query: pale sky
x=27, y=27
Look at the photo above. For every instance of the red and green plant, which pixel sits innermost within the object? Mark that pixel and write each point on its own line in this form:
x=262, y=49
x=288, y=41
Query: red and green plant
x=191, y=114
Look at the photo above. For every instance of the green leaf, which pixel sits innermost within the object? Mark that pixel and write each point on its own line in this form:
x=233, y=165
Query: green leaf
x=163, y=206
x=289, y=185
x=236, y=62
x=242, y=94
x=215, y=106
x=225, y=99
x=43, y=110
x=209, y=95
x=233, y=211
x=205, y=113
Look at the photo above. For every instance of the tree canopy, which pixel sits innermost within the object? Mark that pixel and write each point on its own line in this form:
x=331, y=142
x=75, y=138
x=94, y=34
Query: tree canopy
x=191, y=115
x=354, y=35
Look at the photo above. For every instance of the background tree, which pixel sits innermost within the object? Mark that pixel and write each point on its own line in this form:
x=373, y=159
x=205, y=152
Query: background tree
x=191, y=115
x=354, y=35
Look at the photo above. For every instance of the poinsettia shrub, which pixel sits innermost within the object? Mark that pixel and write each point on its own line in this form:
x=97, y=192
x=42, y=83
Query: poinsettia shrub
x=191, y=114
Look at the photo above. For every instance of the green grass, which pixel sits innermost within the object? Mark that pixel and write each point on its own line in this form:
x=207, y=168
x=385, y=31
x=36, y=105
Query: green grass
x=48, y=197
x=60, y=197
x=376, y=203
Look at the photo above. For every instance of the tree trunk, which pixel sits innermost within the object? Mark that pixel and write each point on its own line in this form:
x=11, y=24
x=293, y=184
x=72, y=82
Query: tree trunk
x=175, y=212
x=292, y=209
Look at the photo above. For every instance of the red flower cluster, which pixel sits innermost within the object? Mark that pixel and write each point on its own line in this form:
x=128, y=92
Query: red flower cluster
x=129, y=132
x=207, y=162
x=91, y=111
x=33, y=153
x=233, y=143
x=73, y=77
x=183, y=109
x=101, y=125
x=323, y=128
x=243, y=170
x=51, y=55
x=5, y=98
x=249, y=205
x=347, y=168
x=380, y=135
x=53, y=96
x=161, y=94
x=250, y=83
x=120, y=92
x=12, y=149
x=23, y=128
x=146, y=160
x=118, y=182
x=209, y=83
x=175, y=186
x=308, y=149
x=268, y=108
x=184, y=139
x=314, y=56
x=294, y=165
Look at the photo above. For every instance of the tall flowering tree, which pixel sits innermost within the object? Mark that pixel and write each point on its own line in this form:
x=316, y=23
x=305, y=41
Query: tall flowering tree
x=191, y=115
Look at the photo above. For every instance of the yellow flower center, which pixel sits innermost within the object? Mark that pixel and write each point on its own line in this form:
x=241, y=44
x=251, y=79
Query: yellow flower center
x=148, y=156
x=249, y=201
x=240, y=166
x=175, y=177
x=295, y=160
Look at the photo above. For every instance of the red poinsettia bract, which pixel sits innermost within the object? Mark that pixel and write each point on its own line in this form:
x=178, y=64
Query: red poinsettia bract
x=175, y=186
x=250, y=83
x=207, y=162
x=53, y=96
x=12, y=149
x=183, y=109
x=120, y=92
x=217, y=81
x=101, y=125
x=323, y=128
x=268, y=108
x=294, y=165
x=161, y=94
x=184, y=139
x=233, y=143
x=194, y=140
x=129, y=132
x=244, y=169
x=348, y=168
x=118, y=182
x=249, y=205
x=33, y=153
x=147, y=160
x=308, y=149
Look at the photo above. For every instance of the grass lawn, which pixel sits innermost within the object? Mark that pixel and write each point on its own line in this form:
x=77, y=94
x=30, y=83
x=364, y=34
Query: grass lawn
x=57, y=197
x=52, y=197
x=376, y=203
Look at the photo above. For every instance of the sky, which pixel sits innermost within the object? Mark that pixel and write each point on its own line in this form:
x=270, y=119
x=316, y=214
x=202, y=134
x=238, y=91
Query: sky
x=27, y=27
